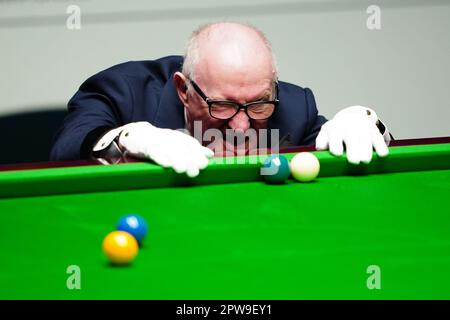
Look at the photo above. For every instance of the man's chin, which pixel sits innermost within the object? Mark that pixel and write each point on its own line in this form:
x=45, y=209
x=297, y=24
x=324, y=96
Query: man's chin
x=228, y=149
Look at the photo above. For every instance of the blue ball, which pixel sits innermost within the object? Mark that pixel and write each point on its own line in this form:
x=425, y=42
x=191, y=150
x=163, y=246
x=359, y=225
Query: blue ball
x=276, y=169
x=134, y=224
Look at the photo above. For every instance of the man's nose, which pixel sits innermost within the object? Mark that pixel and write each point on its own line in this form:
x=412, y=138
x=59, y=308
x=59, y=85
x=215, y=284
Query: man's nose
x=240, y=122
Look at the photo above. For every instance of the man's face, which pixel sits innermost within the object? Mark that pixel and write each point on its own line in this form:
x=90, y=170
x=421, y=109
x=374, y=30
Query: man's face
x=238, y=86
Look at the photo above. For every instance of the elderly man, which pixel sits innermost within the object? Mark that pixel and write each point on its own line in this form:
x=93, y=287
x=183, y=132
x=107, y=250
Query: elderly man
x=227, y=82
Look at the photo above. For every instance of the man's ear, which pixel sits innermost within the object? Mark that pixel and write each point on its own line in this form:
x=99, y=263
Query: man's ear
x=180, y=81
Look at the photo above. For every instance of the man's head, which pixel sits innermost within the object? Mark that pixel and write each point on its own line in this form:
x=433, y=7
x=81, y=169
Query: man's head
x=228, y=61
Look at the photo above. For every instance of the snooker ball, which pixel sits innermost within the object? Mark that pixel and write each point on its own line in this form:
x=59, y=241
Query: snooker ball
x=120, y=247
x=134, y=224
x=305, y=166
x=275, y=169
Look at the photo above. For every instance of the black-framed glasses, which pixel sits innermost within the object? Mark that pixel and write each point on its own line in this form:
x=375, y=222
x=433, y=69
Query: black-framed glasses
x=225, y=109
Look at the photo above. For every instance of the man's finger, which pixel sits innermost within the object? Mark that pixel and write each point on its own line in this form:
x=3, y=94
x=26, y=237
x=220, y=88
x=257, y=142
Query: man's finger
x=352, y=150
x=365, y=147
x=336, y=142
x=379, y=144
x=322, y=139
x=207, y=152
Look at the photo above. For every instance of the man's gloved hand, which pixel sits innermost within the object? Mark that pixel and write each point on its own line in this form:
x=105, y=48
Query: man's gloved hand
x=356, y=127
x=167, y=147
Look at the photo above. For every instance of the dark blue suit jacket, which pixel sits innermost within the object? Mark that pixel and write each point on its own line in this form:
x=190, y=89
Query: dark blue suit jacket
x=144, y=91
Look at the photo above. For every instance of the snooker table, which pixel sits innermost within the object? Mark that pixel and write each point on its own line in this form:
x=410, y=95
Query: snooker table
x=228, y=235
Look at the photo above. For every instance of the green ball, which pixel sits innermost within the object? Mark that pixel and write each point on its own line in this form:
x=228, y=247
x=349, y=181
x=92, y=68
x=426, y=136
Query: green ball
x=275, y=169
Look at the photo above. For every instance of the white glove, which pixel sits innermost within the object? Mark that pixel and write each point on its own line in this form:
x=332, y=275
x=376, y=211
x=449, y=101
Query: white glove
x=356, y=127
x=167, y=147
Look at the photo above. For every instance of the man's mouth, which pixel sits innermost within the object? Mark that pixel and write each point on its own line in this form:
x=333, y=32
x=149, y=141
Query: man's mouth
x=233, y=143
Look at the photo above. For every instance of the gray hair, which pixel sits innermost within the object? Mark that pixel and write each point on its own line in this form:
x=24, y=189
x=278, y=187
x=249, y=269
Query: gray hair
x=192, y=54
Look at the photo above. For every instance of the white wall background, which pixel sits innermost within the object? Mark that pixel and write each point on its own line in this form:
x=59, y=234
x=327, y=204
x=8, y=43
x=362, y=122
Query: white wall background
x=402, y=70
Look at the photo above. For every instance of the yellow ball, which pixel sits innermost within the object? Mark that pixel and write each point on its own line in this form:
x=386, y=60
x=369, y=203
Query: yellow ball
x=304, y=166
x=120, y=247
